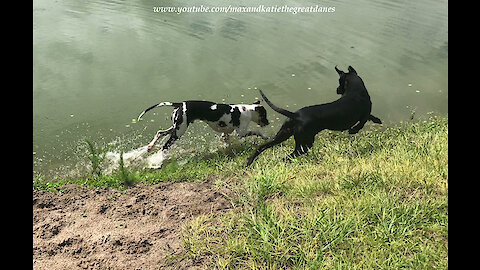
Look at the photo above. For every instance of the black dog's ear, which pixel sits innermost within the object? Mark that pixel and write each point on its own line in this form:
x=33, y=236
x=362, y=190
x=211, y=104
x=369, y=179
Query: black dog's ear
x=256, y=102
x=351, y=70
x=339, y=71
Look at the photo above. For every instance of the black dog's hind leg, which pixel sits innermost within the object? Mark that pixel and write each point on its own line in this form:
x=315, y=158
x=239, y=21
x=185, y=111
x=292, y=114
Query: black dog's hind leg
x=302, y=145
x=285, y=132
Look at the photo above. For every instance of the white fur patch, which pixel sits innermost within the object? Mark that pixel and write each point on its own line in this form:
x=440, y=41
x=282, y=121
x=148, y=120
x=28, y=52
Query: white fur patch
x=213, y=107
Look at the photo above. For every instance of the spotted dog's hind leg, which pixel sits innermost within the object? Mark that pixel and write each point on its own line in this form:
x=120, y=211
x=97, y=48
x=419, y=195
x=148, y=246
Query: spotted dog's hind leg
x=180, y=125
x=159, y=134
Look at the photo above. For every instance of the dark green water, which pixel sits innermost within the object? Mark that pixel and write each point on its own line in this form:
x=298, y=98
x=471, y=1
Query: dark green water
x=98, y=64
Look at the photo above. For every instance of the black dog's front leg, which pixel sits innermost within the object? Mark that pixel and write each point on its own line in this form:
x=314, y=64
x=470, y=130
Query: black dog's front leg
x=374, y=119
x=356, y=128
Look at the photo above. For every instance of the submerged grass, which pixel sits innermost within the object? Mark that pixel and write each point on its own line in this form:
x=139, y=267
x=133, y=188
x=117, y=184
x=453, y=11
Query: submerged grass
x=375, y=200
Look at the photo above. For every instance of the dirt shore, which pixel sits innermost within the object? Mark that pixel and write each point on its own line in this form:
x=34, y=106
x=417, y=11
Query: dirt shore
x=139, y=228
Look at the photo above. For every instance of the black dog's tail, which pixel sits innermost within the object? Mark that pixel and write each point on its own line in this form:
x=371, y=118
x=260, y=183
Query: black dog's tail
x=277, y=109
x=159, y=105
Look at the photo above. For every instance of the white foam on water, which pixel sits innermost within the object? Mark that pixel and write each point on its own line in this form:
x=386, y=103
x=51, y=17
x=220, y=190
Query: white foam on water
x=139, y=158
x=155, y=161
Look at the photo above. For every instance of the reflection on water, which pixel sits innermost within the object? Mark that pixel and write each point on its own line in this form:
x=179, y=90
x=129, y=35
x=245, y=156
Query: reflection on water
x=97, y=64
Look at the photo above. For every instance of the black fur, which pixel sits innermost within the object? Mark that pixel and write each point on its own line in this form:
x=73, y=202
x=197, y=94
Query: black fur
x=350, y=112
x=235, y=117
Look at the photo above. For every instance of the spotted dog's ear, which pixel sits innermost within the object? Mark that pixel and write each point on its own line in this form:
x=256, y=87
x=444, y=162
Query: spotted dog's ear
x=256, y=102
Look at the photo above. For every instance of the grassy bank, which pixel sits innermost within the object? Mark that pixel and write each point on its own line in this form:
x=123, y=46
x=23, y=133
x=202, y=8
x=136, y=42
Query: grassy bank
x=375, y=200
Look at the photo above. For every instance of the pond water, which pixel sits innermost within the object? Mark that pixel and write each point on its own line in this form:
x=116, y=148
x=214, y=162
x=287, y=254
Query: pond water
x=97, y=64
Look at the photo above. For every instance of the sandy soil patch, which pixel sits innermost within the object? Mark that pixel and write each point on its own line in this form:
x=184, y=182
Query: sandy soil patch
x=139, y=228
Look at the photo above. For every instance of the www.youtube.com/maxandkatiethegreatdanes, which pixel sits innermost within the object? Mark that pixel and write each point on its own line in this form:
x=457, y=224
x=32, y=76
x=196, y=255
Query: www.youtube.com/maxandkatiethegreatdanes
x=243, y=9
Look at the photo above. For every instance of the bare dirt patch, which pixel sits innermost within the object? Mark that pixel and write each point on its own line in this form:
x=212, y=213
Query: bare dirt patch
x=139, y=228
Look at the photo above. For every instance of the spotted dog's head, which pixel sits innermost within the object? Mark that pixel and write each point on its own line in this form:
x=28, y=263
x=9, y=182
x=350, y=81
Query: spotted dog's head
x=260, y=115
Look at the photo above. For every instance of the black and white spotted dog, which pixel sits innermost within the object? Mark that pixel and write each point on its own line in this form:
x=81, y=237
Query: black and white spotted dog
x=223, y=118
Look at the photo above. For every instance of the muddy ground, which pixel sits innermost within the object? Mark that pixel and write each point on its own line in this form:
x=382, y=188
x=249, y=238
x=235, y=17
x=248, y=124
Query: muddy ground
x=139, y=228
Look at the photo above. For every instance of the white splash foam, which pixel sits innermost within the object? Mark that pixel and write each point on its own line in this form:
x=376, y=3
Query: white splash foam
x=139, y=158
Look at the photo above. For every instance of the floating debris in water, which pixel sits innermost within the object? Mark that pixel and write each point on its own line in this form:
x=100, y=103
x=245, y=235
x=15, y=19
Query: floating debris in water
x=71, y=115
x=409, y=85
x=293, y=74
x=417, y=91
x=309, y=88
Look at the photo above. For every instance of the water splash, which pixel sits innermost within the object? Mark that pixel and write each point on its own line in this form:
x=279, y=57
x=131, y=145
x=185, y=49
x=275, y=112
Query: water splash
x=136, y=158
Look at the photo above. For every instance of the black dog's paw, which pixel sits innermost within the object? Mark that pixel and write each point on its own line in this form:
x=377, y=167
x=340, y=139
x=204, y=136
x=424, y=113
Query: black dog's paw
x=353, y=131
x=375, y=120
x=248, y=162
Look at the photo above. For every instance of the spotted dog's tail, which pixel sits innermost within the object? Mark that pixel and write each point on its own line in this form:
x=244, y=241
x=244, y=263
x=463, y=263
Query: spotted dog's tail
x=174, y=104
x=288, y=114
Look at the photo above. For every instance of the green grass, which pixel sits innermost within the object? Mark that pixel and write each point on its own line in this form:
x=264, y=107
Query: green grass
x=375, y=200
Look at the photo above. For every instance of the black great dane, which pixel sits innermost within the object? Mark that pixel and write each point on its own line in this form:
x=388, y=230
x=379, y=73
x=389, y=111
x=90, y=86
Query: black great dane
x=349, y=112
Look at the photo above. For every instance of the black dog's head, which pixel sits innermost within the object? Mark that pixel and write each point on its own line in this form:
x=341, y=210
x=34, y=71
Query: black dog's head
x=344, y=79
x=261, y=118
